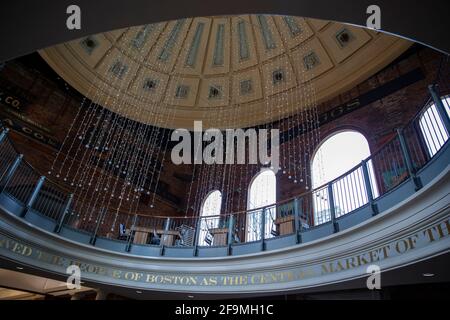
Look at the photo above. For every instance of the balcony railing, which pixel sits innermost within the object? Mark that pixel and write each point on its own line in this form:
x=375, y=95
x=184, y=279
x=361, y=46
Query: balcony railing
x=399, y=160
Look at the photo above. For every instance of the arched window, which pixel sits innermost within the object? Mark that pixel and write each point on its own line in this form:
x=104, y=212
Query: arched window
x=338, y=154
x=262, y=192
x=432, y=127
x=210, y=208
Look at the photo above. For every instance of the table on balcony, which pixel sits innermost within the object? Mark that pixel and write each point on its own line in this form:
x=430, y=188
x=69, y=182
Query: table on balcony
x=141, y=235
x=220, y=236
x=285, y=225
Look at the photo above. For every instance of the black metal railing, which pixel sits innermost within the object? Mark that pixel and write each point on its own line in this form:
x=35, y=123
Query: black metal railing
x=399, y=160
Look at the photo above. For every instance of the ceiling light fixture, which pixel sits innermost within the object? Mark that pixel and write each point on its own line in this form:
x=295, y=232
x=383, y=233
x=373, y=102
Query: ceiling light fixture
x=428, y=275
x=191, y=297
x=19, y=268
x=138, y=292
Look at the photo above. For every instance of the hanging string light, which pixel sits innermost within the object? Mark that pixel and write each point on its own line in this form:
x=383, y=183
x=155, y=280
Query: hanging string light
x=115, y=161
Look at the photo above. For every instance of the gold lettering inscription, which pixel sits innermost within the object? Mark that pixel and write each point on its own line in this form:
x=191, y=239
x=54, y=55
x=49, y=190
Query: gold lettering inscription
x=116, y=274
x=406, y=244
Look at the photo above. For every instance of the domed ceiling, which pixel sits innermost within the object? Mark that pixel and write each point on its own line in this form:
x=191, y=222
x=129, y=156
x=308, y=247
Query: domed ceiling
x=209, y=68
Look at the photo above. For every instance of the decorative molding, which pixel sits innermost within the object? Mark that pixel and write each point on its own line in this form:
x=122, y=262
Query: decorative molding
x=150, y=84
x=89, y=44
x=215, y=92
x=278, y=76
x=219, y=45
x=171, y=41
x=141, y=36
x=193, y=51
x=293, y=26
x=182, y=92
x=266, y=33
x=119, y=69
x=244, y=52
x=246, y=87
x=344, y=37
x=311, y=60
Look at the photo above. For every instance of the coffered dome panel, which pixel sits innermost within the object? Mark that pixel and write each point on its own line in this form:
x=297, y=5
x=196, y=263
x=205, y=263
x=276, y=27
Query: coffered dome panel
x=200, y=68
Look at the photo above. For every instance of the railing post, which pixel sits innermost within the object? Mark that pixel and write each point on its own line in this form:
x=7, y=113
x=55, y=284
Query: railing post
x=422, y=142
x=368, y=185
x=332, y=208
x=164, y=236
x=130, y=235
x=4, y=182
x=3, y=134
x=297, y=228
x=263, y=228
x=34, y=196
x=230, y=232
x=408, y=161
x=197, y=235
x=434, y=91
x=97, y=226
x=63, y=215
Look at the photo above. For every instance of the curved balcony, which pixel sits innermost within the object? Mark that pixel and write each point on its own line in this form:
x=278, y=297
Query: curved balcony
x=398, y=193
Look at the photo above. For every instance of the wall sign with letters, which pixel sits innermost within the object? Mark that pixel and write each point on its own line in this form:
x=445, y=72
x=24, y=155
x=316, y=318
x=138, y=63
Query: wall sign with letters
x=12, y=117
x=29, y=131
x=12, y=100
x=408, y=243
x=357, y=103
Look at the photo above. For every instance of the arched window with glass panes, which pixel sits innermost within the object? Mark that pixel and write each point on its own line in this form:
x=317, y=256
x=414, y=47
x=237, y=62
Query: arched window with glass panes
x=209, y=216
x=261, y=193
x=432, y=126
x=338, y=154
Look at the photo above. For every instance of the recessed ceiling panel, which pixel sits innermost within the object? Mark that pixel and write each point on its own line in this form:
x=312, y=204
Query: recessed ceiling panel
x=199, y=68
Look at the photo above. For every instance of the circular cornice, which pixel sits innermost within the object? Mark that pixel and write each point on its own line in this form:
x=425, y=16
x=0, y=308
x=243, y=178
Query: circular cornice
x=395, y=238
